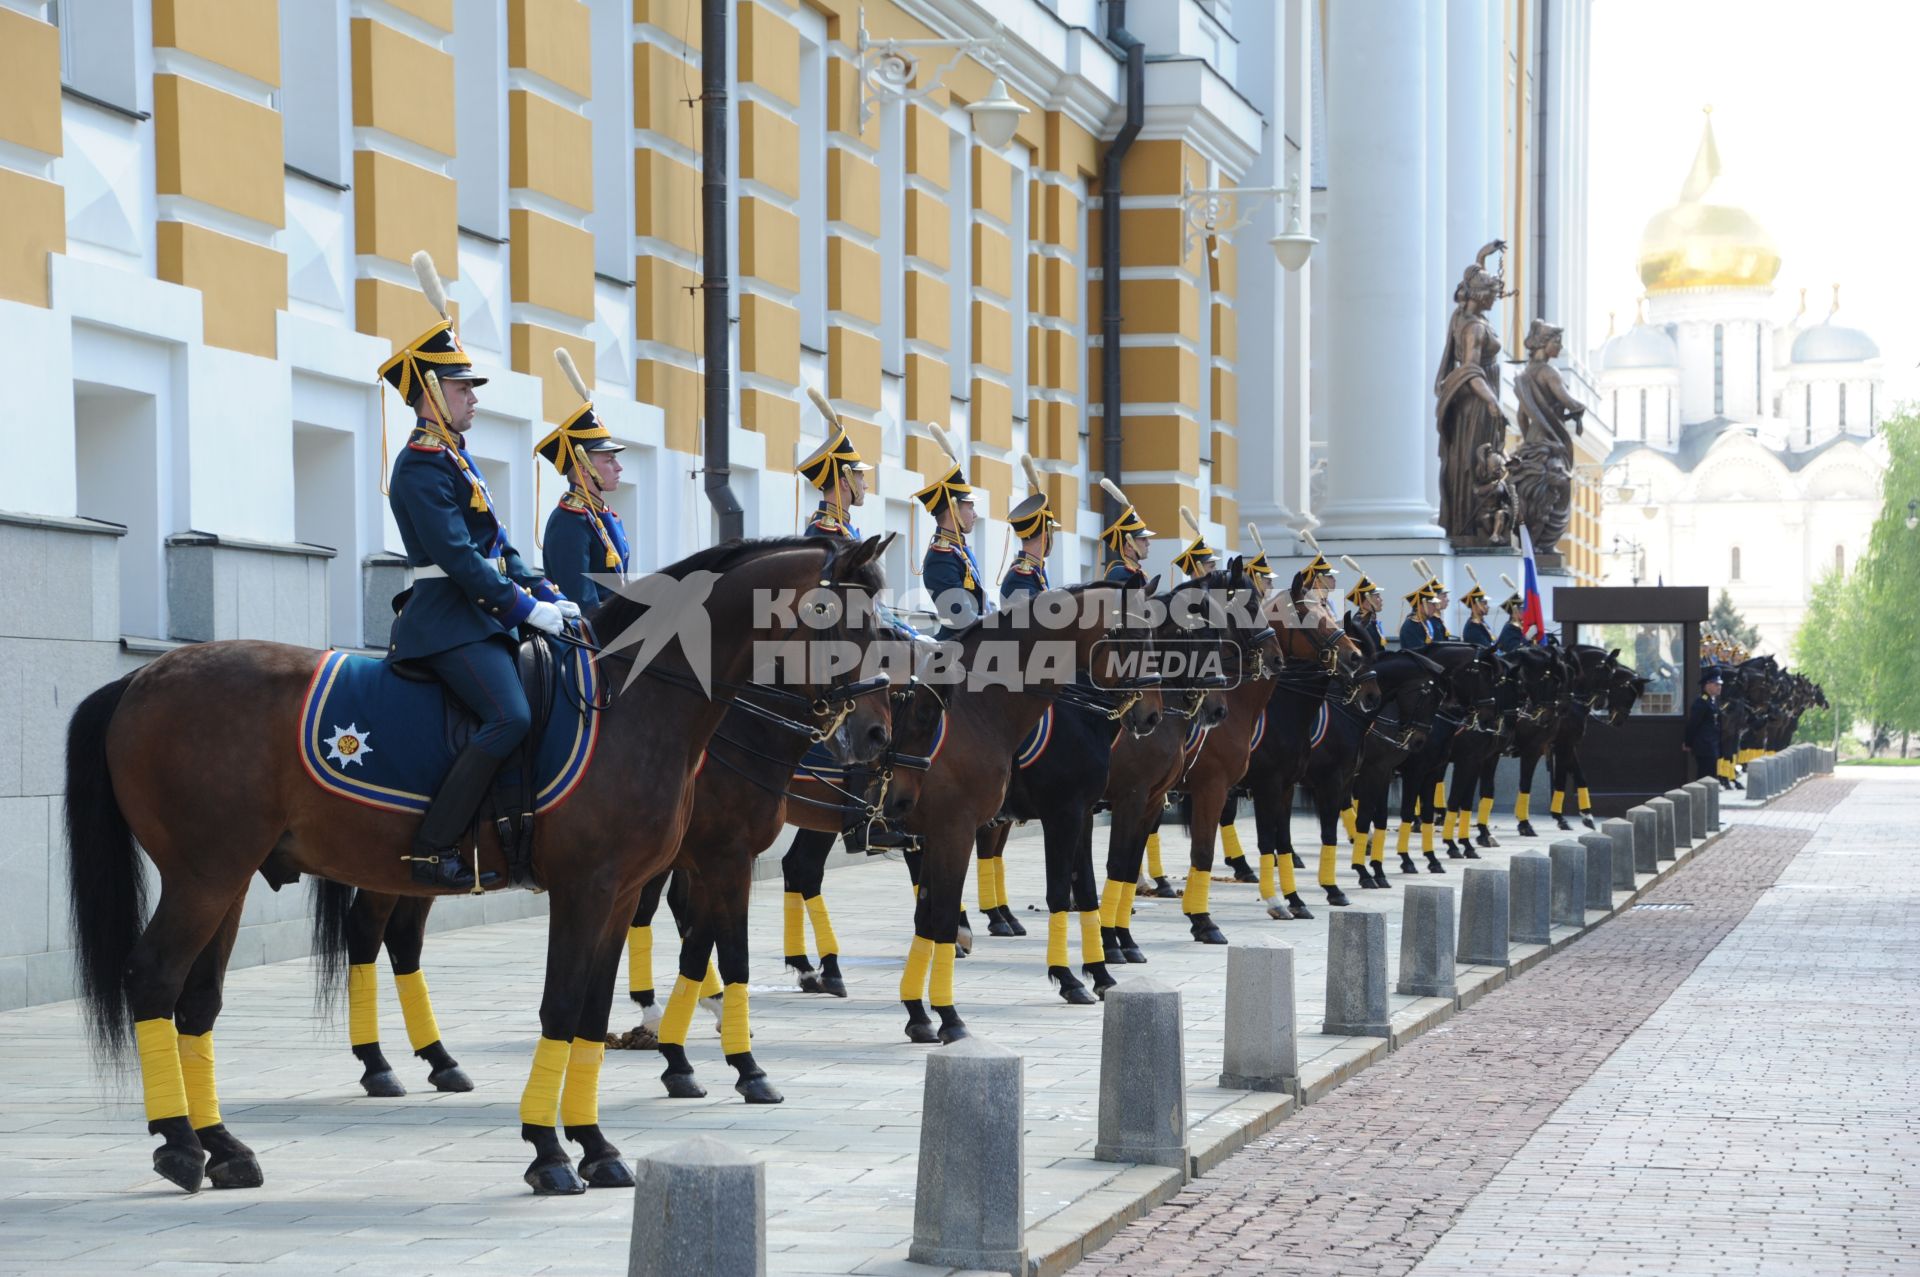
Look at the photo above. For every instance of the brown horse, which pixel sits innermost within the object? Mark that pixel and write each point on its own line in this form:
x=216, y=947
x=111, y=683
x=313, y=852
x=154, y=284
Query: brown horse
x=209, y=817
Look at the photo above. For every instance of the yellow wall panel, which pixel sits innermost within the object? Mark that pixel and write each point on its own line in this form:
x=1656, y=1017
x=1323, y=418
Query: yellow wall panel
x=853, y=368
x=666, y=200
x=218, y=149
x=532, y=352
x=992, y=184
x=992, y=338
x=1068, y=148
x=853, y=280
x=1226, y=459
x=769, y=149
x=1226, y=333
x=1156, y=167
x=769, y=339
x=678, y=18
x=387, y=310
x=929, y=388
x=34, y=226
x=241, y=35
x=843, y=102
x=990, y=474
x=923, y=455
x=552, y=39
x=1161, y=374
x=661, y=85
x=929, y=312
x=29, y=82
x=1226, y=510
x=769, y=243
x=1058, y=360
x=990, y=414
x=1161, y=443
x=853, y=191
x=992, y=260
x=778, y=418
x=769, y=51
x=665, y=310
x=550, y=149
x=1060, y=217
x=1063, y=497
x=1054, y=430
x=1226, y=396
x=437, y=13
x=1148, y=306
x=241, y=284
x=1152, y=237
x=926, y=225
x=929, y=147
x=552, y=263
x=400, y=207
x=402, y=86
x=676, y=391
x=1159, y=504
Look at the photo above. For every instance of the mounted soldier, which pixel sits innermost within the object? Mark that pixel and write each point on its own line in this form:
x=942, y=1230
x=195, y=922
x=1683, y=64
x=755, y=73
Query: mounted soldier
x=1511, y=635
x=1363, y=621
x=585, y=537
x=471, y=591
x=1033, y=523
x=1197, y=559
x=1126, y=540
x=950, y=572
x=1420, y=628
x=1476, y=602
x=837, y=471
x=1258, y=567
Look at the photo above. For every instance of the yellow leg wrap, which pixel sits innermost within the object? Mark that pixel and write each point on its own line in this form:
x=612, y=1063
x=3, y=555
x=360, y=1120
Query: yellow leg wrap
x=822, y=926
x=1126, y=903
x=913, y=981
x=1486, y=810
x=1230, y=840
x=1266, y=875
x=363, y=1004
x=540, y=1102
x=1110, y=897
x=1154, y=868
x=1194, y=898
x=983, y=883
x=1559, y=801
x=1522, y=806
x=1057, y=939
x=1466, y=825
x=793, y=925
x=1404, y=839
x=710, y=987
x=580, y=1101
x=1379, y=845
x=158, y=1043
x=734, y=1034
x=1353, y=828
x=196, y=1069
x=1439, y=795
x=679, y=1013
x=640, y=959
x=1284, y=863
x=940, y=993
x=1426, y=839
x=1584, y=799
x=1329, y=864
x=1093, y=948
x=417, y=1009
x=1359, y=845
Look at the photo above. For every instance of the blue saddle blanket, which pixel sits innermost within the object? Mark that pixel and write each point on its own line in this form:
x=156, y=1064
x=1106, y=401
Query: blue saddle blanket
x=371, y=736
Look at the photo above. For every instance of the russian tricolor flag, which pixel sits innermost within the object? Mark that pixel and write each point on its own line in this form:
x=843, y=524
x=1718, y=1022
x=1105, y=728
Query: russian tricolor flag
x=1533, y=616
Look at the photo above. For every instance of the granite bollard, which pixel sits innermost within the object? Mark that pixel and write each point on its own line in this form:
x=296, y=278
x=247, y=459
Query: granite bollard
x=699, y=1207
x=1711, y=788
x=1620, y=832
x=1569, y=883
x=1682, y=816
x=1599, y=870
x=1646, y=840
x=1486, y=917
x=969, y=1201
x=1143, y=1077
x=1702, y=796
x=1356, y=975
x=1757, y=791
x=1262, y=1048
x=1662, y=828
x=1530, y=888
x=1426, y=941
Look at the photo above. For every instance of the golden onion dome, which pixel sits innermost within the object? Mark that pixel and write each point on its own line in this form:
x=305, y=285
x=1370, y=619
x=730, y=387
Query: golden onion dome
x=1701, y=244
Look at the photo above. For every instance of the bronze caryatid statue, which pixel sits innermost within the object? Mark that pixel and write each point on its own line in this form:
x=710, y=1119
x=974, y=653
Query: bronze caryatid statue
x=1540, y=471
x=1473, y=429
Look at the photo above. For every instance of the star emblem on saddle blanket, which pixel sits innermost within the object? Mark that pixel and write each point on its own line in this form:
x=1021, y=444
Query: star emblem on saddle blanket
x=348, y=745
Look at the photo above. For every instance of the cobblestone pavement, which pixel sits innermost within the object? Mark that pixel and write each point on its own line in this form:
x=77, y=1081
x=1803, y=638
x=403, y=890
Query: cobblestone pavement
x=1721, y=1086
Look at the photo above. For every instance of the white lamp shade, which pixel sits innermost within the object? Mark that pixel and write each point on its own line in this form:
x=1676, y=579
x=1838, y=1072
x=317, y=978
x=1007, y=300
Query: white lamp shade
x=996, y=116
x=1292, y=249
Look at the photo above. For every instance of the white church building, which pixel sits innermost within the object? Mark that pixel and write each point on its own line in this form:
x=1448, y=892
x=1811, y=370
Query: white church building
x=1746, y=447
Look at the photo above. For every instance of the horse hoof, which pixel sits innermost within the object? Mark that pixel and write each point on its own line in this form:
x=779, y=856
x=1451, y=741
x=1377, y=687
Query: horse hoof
x=1470, y=854
x=1115, y=956
x=963, y=942
x=1453, y=852
x=996, y=925
x=454, y=1079
x=1204, y=929
x=240, y=1171
x=1433, y=864
x=1133, y=953
x=833, y=986
x=1560, y=822
x=1525, y=829
x=1298, y=908
x=682, y=1086
x=921, y=1032
x=384, y=1085
x=1380, y=878
x=554, y=1179
x=810, y=982
x=609, y=1171
x=1587, y=821
x=1076, y=995
x=1241, y=873
x=1486, y=838
x=1297, y=862
x=951, y=1032
x=180, y=1166
x=1013, y=922
x=1407, y=866
x=757, y=1090
x=1366, y=879
x=1335, y=896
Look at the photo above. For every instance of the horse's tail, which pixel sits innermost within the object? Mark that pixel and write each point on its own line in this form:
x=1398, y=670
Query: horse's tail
x=332, y=904
x=105, y=883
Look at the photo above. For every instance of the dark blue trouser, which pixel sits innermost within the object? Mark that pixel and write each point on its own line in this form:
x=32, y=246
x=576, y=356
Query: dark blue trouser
x=482, y=677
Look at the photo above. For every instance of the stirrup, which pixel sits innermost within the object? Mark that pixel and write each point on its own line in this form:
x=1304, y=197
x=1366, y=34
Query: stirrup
x=441, y=869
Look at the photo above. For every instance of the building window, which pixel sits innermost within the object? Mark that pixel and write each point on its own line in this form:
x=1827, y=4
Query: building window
x=1719, y=370
x=97, y=53
x=479, y=166
x=611, y=111
x=1840, y=560
x=813, y=191
x=1733, y=572
x=312, y=105
x=1759, y=370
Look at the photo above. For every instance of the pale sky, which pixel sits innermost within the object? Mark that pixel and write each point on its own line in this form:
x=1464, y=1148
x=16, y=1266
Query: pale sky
x=1819, y=135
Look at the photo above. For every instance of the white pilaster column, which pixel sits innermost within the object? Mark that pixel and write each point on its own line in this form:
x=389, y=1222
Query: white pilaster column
x=1471, y=133
x=1380, y=372
x=1439, y=302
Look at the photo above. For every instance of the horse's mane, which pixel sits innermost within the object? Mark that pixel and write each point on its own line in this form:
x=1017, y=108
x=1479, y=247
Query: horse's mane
x=972, y=627
x=617, y=612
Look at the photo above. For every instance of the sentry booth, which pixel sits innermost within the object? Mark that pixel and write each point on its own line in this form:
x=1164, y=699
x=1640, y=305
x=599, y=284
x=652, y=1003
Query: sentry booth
x=1656, y=629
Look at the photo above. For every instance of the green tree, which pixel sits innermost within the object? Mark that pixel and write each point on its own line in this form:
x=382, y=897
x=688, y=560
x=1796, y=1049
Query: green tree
x=1890, y=584
x=1726, y=621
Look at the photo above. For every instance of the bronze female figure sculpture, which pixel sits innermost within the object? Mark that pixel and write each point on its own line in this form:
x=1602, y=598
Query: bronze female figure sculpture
x=1541, y=469
x=1468, y=391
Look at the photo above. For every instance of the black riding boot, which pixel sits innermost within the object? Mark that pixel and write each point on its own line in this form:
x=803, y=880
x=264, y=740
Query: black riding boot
x=436, y=845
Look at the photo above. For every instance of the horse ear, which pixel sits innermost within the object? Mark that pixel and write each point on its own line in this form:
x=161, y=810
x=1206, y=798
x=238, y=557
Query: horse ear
x=1614, y=655
x=1153, y=585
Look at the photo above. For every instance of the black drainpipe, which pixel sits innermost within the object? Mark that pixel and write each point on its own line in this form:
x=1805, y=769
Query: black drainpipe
x=716, y=287
x=1110, y=191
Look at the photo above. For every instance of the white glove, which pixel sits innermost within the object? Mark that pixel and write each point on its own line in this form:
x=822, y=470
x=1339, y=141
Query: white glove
x=545, y=616
x=568, y=608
